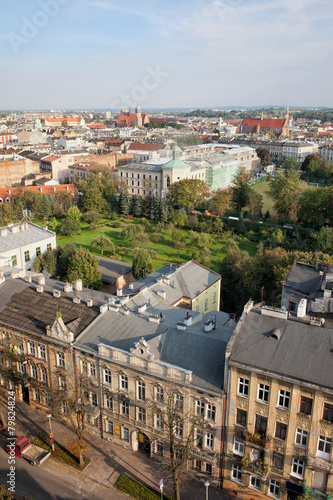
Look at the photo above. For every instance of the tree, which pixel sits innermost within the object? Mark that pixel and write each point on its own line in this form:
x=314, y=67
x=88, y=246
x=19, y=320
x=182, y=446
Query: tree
x=103, y=243
x=64, y=123
x=142, y=263
x=264, y=155
x=290, y=163
x=124, y=201
x=272, y=237
x=69, y=228
x=240, y=189
x=188, y=193
x=315, y=167
x=83, y=265
x=255, y=203
x=5, y=494
x=221, y=200
x=73, y=214
x=178, y=218
x=286, y=190
x=91, y=217
x=325, y=240
x=184, y=431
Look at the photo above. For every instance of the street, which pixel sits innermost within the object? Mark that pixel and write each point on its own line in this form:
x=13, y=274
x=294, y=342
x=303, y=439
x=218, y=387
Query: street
x=52, y=481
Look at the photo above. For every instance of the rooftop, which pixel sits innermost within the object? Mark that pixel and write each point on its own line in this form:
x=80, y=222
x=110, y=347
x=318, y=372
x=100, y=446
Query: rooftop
x=22, y=234
x=302, y=277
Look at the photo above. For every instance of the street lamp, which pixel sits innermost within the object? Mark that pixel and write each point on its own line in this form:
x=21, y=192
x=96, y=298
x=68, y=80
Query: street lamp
x=207, y=484
x=49, y=416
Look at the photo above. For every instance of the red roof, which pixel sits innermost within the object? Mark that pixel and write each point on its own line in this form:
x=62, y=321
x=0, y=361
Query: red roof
x=129, y=117
x=142, y=146
x=68, y=120
x=96, y=125
x=265, y=122
x=11, y=192
x=51, y=158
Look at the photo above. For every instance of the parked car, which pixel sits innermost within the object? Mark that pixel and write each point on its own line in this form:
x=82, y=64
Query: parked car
x=22, y=447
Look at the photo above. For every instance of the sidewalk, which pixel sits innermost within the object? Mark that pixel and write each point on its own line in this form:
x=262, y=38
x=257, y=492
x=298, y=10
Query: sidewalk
x=109, y=460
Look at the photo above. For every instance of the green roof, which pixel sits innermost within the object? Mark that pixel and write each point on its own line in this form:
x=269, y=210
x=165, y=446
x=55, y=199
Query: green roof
x=176, y=164
x=176, y=148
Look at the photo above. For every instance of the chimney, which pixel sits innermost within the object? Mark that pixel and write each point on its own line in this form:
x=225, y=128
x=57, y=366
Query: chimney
x=131, y=286
x=78, y=285
x=41, y=280
x=68, y=288
x=119, y=292
x=76, y=300
x=89, y=302
x=39, y=289
x=57, y=294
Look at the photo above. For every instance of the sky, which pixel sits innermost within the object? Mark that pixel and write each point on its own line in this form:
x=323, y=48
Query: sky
x=80, y=54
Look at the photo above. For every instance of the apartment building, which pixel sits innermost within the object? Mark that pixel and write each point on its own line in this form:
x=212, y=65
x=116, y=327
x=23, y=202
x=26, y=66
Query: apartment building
x=280, y=406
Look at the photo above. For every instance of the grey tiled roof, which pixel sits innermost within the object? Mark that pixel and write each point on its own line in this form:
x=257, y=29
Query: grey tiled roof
x=303, y=352
x=302, y=277
x=33, y=234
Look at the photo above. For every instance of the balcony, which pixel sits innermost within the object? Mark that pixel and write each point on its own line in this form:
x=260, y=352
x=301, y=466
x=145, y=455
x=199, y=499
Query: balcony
x=320, y=463
x=202, y=455
x=312, y=493
x=257, y=439
x=257, y=467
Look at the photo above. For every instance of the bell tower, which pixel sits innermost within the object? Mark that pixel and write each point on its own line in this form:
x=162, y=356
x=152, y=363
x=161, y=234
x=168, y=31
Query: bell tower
x=138, y=116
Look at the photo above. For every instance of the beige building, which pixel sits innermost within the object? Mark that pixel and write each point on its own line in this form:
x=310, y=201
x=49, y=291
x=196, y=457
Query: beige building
x=280, y=406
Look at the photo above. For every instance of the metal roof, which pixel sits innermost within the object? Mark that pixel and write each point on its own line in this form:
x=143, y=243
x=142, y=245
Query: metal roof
x=24, y=237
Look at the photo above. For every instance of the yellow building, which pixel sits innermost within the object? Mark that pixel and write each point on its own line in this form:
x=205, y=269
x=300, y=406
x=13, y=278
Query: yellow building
x=280, y=406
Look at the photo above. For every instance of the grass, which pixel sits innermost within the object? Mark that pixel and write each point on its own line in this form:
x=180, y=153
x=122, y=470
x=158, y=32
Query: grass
x=61, y=454
x=138, y=490
x=165, y=249
x=262, y=188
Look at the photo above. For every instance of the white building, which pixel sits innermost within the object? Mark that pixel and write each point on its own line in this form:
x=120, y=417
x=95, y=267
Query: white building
x=21, y=243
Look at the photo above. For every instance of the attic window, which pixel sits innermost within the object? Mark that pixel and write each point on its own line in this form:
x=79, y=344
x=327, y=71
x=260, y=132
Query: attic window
x=141, y=351
x=276, y=334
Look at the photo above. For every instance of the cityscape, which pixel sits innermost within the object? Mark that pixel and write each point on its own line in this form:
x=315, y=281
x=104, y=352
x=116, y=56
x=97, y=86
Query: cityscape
x=166, y=250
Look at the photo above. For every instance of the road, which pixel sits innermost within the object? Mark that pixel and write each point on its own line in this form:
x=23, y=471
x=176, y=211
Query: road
x=52, y=481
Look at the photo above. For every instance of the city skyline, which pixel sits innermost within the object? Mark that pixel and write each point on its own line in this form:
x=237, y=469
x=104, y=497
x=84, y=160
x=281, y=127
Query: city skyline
x=81, y=54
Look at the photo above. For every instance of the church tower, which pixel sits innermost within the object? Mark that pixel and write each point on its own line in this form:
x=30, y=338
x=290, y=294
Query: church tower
x=138, y=116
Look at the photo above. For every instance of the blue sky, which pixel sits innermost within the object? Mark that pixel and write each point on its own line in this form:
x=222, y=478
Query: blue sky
x=106, y=53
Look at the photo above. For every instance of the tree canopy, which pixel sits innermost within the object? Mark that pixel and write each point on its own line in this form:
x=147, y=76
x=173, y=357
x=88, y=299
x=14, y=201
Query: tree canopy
x=286, y=190
x=188, y=193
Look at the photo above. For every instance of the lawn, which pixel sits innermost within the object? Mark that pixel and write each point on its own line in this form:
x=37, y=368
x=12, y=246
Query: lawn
x=61, y=454
x=262, y=189
x=138, y=490
x=165, y=249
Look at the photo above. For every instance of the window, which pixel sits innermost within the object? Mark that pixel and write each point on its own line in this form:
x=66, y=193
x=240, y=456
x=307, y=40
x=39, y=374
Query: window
x=20, y=349
x=14, y=260
x=31, y=349
x=34, y=371
x=159, y=447
x=263, y=393
x=21, y=368
x=159, y=423
x=328, y=412
x=125, y=408
x=110, y=427
x=92, y=370
x=62, y=383
x=2, y=380
x=243, y=387
x=206, y=304
x=123, y=382
x=261, y=425
x=306, y=405
x=42, y=353
x=64, y=407
x=126, y=433
x=141, y=390
x=26, y=256
x=178, y=455
x=209, y=469
x=48, y=247
x=197, y=464
x=324, y=447
x=198, y=439
x=179, y=429
x=211, y=412
x=142, y=415
x=108, y=402
x=237, y=473
x=107, y=376
x=210, y=440
x=239, y=447
x=61, y=359
x=159, y=393
x=200, y=408
x=84, y=367
x=281, y=431
x=241, y=417
x=38, y=252
x=179, y=401
x=274, y=488
x=94, y=399
x=301, y=437
x=297, y=468
x=214, y=298
x=46, y=399
x=43, y=372
x=255, y=482
x=37, y=395
x=284, y=399
x=278, y=460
